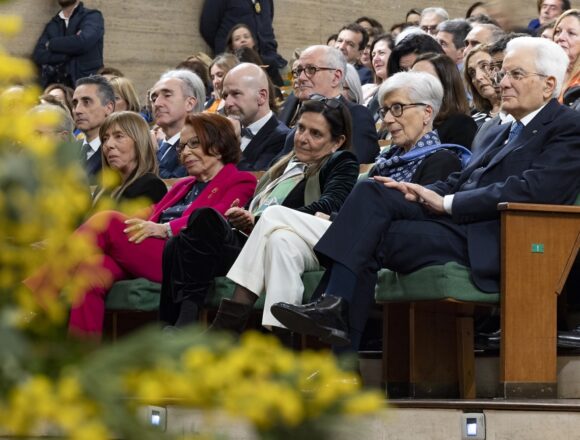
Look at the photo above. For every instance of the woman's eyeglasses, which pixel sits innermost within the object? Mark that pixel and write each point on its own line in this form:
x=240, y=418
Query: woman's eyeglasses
x=397, y=109
x=192, y=144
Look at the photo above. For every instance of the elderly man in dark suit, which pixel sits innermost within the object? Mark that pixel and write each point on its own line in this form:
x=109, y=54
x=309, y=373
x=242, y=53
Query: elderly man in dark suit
x=71, y=45
x=320, y=71
x=93, y=100
x=177, y=93
x=404, y=226
x=246, y=95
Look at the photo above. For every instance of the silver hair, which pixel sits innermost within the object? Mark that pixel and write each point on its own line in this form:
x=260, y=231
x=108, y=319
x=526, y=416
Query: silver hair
x=437, y=11
x=351, y=81
x=191, y=85
x=65, y=121
x=332, y=57
x=420, y=87
x=551, y=60
x=410, y=31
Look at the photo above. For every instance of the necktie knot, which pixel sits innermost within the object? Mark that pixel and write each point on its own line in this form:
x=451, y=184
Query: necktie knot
x=247, y=133
x=85, y=151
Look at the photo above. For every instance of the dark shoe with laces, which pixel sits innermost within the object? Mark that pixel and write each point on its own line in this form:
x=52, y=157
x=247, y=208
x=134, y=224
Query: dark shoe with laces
x=326, y=318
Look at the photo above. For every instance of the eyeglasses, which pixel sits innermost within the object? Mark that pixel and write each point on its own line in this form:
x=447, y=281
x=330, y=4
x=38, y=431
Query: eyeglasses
x=429, y=29
x=515, y=75
x=332, y=103
x=308, y=70
x=397, y=109
x=192, y=144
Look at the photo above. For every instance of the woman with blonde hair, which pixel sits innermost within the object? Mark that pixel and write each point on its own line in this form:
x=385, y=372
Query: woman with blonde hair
x=128, y=150
x=567, y=36
x=125, y=95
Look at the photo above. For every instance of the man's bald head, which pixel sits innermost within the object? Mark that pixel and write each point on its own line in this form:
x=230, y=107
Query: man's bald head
x=245, y=91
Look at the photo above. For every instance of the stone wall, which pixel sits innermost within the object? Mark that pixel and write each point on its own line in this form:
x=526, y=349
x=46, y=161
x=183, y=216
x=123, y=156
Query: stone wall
x=144, y=38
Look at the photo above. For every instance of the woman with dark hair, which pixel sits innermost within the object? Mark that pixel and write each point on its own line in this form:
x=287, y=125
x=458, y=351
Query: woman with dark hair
x=408, y=49
x=241, y=36
x=477, y=8
x=128, y=150
x=380, y=52
x=485, y=92
x=453, y=123
x=280, y=248
x=133, y=247
x=315, y=177
x=62, y=93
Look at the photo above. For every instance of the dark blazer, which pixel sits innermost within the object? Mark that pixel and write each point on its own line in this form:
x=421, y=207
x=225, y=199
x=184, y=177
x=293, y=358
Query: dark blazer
x=264, y=146
x=364, y=136
x=67, y=54
x=457, y=129
x=541, y=166
x=364, y=73
x=478, y=145
x=288, y=110
x=219, y=16
x=148, y=185
x=169, y=166
x=228, y=185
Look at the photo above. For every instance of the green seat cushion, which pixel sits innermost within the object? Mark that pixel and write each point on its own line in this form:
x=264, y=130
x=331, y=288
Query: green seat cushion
x=138, y=294
x=141, y=294
x=448, y=281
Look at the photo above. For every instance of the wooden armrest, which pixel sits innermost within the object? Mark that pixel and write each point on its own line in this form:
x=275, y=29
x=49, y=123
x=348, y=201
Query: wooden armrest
x=536, y=207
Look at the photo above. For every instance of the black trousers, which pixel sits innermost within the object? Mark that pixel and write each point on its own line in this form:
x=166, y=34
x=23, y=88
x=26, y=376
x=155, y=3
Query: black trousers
x=205, y=249
x=377, y=227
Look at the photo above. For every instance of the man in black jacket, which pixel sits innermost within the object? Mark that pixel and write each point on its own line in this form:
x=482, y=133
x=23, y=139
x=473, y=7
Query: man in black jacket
x=246, y=94
x=71, y=45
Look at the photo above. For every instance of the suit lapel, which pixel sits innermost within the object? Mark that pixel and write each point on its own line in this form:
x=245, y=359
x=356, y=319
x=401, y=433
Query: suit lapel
x=257, y=144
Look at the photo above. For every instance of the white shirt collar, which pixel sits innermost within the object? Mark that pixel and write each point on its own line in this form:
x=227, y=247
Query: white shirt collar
x=66, y=20
x=94, y=146
x=528, y=118
x=173, y=139
x=255, y=127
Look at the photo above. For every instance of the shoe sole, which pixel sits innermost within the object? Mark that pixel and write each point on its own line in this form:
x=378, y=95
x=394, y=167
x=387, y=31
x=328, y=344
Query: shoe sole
x=303, y=324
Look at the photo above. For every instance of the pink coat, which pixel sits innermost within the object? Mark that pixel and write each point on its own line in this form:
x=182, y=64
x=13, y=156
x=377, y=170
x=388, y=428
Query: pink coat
x=228, y=185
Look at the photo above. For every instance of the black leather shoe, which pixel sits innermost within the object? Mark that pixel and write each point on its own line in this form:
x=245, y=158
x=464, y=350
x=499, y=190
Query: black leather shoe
x=488, y=341
x=569, y=339
x=326, y=318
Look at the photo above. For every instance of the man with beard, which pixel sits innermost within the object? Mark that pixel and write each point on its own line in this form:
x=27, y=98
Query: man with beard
x=246, y=94
x=71, y=45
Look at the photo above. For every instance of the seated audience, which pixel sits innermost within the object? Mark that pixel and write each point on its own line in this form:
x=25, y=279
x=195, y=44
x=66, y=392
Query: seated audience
x=451, y=36
x=567, y=36
x=128, y=150
x=453, y=123
x=371, y=25
x=62, y=131
x=351, y=86
x=431, y=18
x=247, y=98
x=380, y=52
x=477, y=8
x=408, y=49
x=482, y=33
x=110, y=72
x=133, y=247
x=200, y=68
x=315, y=177
x=546, y=30
x=125, y=94
x=62, y=93
x=176, y=94
x=218, y=68
x=406, y=226
x=479, y=78
x=548, y=10
x=413, y=17
x=320, y=71
x=351, y=41
x=280, y=248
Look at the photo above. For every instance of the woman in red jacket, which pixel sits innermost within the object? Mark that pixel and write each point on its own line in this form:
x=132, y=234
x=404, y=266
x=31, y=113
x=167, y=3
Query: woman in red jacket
x=133, y=247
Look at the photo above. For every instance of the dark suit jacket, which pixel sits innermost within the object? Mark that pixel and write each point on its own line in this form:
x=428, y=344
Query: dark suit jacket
x=219, y=16
x=364, y=136
x=288, y=110
x=541, y=166
x=148, y=185
x=73, y=52
x=264, y=146
x=364, y=73
x=477, y=146
x=170, y=167
x=93, y=166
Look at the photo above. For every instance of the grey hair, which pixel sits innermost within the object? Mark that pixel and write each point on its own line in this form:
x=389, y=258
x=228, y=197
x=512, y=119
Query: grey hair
x=437, y=11
x=458, y=27
x=496, y=32
x=334, y=58
x=65, y=121
x=352, y=81
x=551, y=60
x=191, y=85
x=420, y=86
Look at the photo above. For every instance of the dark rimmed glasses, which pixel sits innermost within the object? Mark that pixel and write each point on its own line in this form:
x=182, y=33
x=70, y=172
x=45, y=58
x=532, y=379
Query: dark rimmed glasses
x=397, y=109
x=192, y=144
x=309, y=70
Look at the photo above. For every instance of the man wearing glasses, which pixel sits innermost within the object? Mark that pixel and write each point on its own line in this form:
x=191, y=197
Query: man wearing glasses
x=405, y=226
x=320, y=71
x=430, y=19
